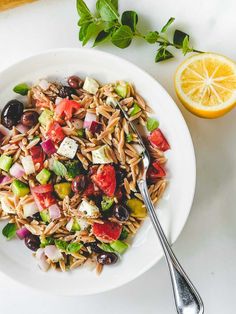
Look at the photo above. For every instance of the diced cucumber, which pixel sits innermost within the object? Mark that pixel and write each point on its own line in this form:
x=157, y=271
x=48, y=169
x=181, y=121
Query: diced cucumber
x=63, y=189
x=5, y=162
x=46, y=117
x=75, y=226
x=19, y=188
x=119, y=246
x=43, y=176
x=135, y=109
x=106, y=202
x=45, y=216
x=121, y=90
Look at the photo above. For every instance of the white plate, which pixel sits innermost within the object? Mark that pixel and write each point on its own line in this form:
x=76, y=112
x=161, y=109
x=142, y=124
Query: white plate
x=16, y=260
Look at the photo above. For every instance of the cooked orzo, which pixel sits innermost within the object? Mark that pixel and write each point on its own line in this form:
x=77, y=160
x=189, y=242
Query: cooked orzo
x=69, y=166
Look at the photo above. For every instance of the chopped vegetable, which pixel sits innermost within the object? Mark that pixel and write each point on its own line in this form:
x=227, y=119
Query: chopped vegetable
x=75, y=225
x=48, y=147
x=17, y=171
x=37, y=155
x=46, y=241
x=28, y=164
x=63, y=189
x=89, y=210
x=107, y=202
x=58, y=168
x=129, y=138
x=119, y=246
x=66, y=108
x=155, y=172
x=122, y=90
x=43, y=176
x=100, y=155
x=152, y=124
x=105, y=179
x=107, y=232
x=61, y=245
x=52, y=252
x=82, y=223
x=80, y=133
x=111, y=101
x=9, y=231
x=68, y=148
x=29, y=209
x=73, y=169
x=134, y=110
x=46, y=117
x=106, y=247
x=74, y=247
x=42, y=260
x=5, y=162
x=157, y=139
x=22, y=233
x=21, y=89
x=90, y=85
x=54, y=212
x=137, y=208
x=45, y=216
x=19, y=188
x=43, y=196
x=55, y=132
x=124, y=234
x=4, y=179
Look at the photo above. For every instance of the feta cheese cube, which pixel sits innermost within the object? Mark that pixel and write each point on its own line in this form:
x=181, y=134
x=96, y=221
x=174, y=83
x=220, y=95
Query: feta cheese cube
x=68, y=148
x=89, y=210
x=90, y=85
x=100, y=156
x=29, y=209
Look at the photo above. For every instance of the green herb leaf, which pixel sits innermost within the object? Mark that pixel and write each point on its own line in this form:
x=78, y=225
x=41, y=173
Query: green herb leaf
x=124, y=234
x=21, y=89
x=186, y=48
x=75, y=226
x=130, y=18
x=46, y=241
x=107, y=10
x=107, y=202
x=129, y=138
x=101, y=37
x=9, y=231
x=83, y=31
x=84, y=20
x=73, y=169
x=74, y=247
x=163, y=54
x=135, y=110
x=106, y=247
x=59, y=169
x=179, y=37
x=152, y=37
x=109, y=26
x=152, y=124
x=115, y=4
x=90, y=32
x=61, y=245
x=122, y=37
x=166, y=26
x=82, y=9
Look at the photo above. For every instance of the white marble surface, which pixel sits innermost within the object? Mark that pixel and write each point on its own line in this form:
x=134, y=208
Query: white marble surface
x=206, y=246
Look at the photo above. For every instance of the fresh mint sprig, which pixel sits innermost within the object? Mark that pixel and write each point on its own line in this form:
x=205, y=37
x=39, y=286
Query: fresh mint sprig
x=106, y=24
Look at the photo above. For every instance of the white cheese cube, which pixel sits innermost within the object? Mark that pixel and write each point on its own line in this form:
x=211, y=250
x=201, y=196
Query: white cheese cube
x=29, y=209
x=90, y=85
x=89, y=210
x=111, y=101
x=82, y=223
x=68, y=148
x=100, y=156
x=28, y=164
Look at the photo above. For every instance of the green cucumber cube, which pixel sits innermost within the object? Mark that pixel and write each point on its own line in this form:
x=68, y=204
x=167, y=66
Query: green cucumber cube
x=19, y=188
x=5, y=163
x=119, y=246
x=43, y=176
x=121, y=90
x=45, y=216
x=46, y=117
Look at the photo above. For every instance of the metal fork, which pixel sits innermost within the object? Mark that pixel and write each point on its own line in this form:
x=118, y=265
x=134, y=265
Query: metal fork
x=187, y=299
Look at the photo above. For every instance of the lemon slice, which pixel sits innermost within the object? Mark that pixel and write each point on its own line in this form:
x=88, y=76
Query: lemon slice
x=206, y=84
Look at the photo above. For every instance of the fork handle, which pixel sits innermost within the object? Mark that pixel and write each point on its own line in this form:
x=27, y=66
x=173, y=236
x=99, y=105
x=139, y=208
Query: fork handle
x=187, y=299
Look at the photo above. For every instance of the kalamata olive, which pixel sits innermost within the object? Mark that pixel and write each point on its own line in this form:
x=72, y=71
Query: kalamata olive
x=32, y=242
x=79, y=183
x=66, y=91
x=92, y=170
x=121, y=213
x=107, y=258
x=75, y=81
x=37, y=217
x=29, y=118
x=12, y=113
x=94, y=247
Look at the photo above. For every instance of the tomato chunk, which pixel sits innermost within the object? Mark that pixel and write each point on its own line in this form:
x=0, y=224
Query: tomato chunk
x=55, y=132
x=156, y=138
x=37, y=155
x=107, y=232
x=43, y=196
x=155, y=172
x=66, y=107
x=105, y=179
x=91, y=190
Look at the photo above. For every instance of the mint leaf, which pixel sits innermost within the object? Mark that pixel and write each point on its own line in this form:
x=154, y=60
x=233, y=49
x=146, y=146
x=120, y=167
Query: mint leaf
x=101, y=37
x=58, y=168
x=130, y=18
x=90, y=31
x=107, y=10
x=122, y=37
x=166, y=26
x=151, y=37
x=152, y=124
x=82, y=9
x=163, y=54
x=179, y=37
x=9, y=231
x=74, y=247
x=21, y=89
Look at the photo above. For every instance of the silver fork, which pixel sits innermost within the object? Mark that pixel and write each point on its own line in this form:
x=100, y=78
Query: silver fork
x=187, y=299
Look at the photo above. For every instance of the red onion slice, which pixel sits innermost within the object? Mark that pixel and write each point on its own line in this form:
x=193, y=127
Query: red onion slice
x=21, y=128
x=54, y=212
x=22, y=233
x=48, y=147
x=17, y=171
x=52, y=252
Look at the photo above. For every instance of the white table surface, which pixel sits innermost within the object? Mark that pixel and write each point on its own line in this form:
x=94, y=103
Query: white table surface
x=207, y=245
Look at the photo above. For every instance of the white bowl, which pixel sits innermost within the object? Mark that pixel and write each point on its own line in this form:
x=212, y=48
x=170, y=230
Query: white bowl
x=16, y=260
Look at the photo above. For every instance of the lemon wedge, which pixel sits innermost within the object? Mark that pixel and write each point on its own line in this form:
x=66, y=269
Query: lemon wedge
x=206, y=84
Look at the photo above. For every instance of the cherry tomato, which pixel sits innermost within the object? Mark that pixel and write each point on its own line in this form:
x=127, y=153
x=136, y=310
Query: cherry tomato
x=156, y=138
x=91, y=190
x=43, y=188
x=107, y=232
x=105, y=179
x=37, y=155
x=155, y=172
x=55, y=132
x=66, y=107
x=43, y=196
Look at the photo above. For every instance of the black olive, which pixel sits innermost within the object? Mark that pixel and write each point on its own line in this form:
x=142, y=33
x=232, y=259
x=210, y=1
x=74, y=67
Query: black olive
x=32, y=242
x=94, y=247
x=66, y=91
x=79, y=183
x=29, y=118
x=107, y=258
x=11, y=113
x=37, y=217
x=75, y=81
x=121, y=213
